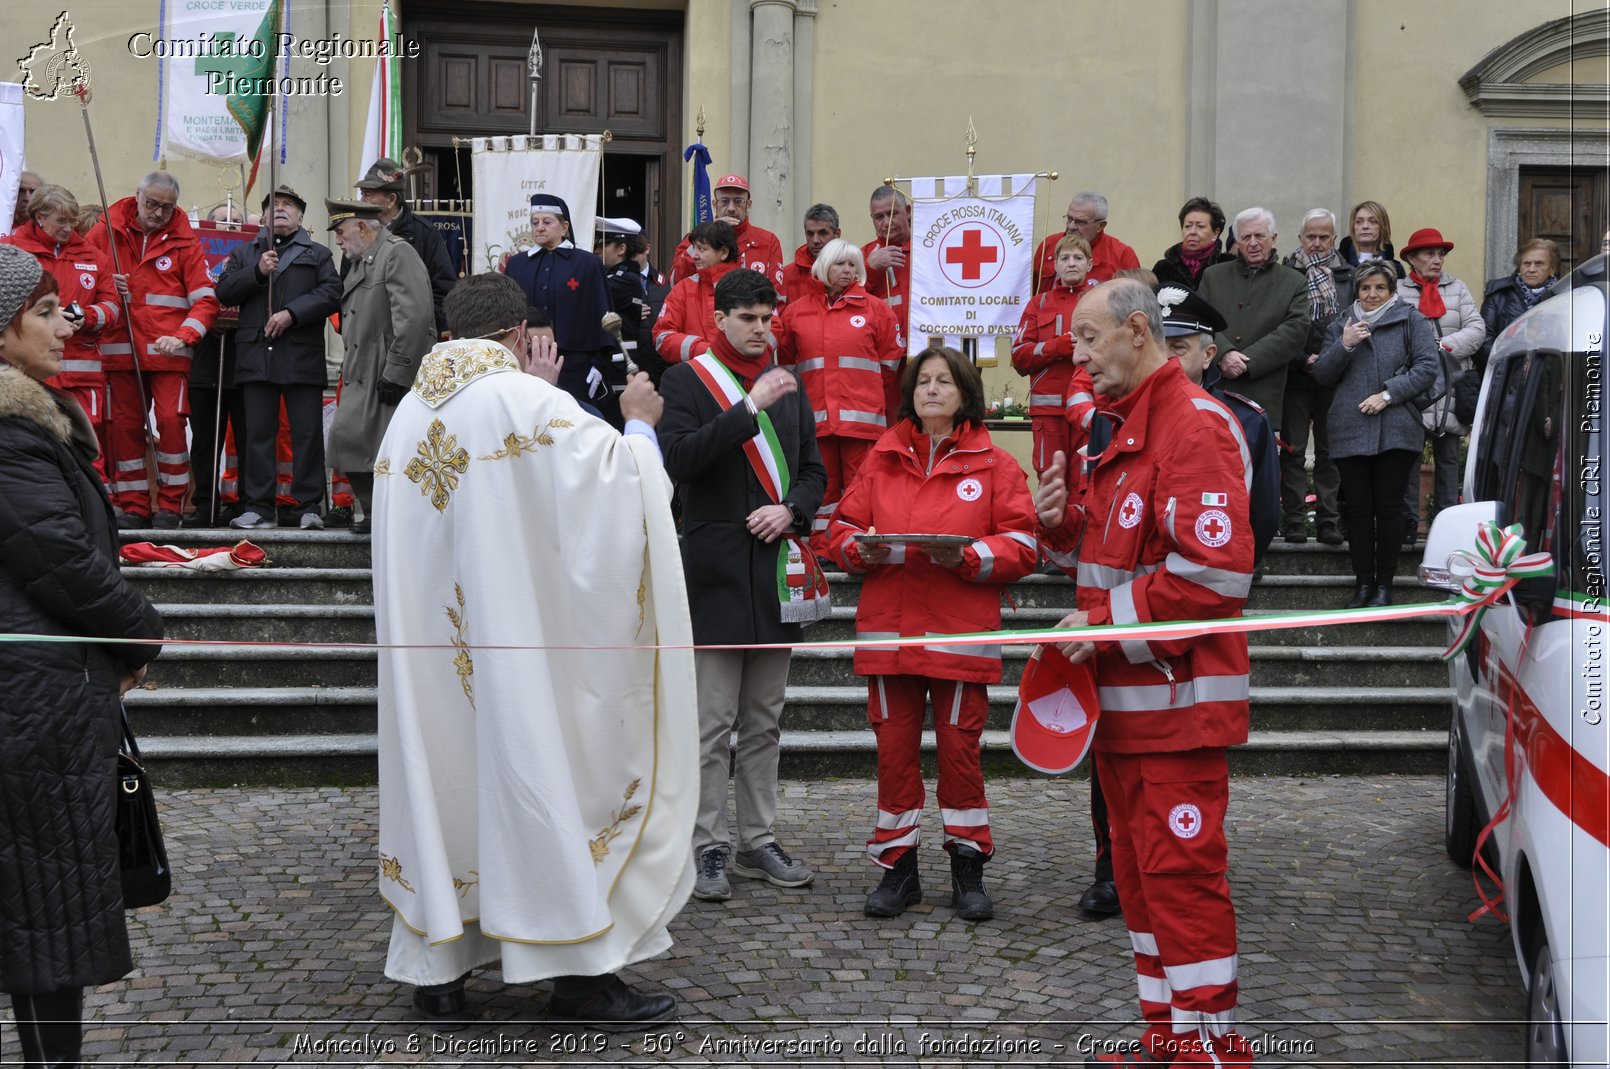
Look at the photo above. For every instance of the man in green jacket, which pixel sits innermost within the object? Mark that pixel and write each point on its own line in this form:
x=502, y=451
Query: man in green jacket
x=1266, y=305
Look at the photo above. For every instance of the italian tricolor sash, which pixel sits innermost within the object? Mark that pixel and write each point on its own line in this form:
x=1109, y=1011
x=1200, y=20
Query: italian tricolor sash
x=801, y=586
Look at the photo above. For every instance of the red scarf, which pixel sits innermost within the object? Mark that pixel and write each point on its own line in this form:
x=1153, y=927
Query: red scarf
x=1431, y=303
x=747, y=368
x=1195, y=261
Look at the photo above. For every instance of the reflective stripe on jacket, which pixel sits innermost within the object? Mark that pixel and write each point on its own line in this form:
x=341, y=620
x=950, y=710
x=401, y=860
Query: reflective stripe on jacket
x=847, y=354
x=171, y=292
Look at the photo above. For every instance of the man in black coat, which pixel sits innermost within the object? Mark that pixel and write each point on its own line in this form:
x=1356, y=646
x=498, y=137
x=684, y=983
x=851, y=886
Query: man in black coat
x=628, y=295
x=279, y=355
x=383, y=185
x=733, y=533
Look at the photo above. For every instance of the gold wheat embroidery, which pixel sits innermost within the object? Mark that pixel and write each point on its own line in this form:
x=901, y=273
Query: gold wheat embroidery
x=516, y=444
x=463, y=886
x=383, y=467
x=463, y=663
x=391, y=869
x=600, y=845
x=439, y=464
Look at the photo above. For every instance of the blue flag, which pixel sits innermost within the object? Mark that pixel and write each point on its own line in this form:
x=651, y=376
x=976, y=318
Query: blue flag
x=703, y=211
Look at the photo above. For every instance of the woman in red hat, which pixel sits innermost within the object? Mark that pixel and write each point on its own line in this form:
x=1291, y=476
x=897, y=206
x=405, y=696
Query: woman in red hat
x=1460, y=331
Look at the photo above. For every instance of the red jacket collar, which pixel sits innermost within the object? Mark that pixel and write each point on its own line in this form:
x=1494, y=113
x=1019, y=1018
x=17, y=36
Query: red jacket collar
x=903, y=437
x=1134, y=409
x=29, y=237
x=124, y=217
x=803, y=259
x=712, y=275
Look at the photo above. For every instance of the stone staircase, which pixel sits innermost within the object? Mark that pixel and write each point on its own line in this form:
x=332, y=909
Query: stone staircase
x=1357, y=699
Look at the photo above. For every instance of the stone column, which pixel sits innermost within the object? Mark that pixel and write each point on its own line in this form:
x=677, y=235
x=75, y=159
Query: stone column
x=771, y=113
x=804, y=78
x=734, y=155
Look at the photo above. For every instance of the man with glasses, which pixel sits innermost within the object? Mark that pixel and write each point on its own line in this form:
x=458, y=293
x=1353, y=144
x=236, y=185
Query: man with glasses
x=171, y=302
x=758, y=249
x=1087, y=217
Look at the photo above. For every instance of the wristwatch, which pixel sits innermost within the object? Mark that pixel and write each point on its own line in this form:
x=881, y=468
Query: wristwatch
x=794, y=513
x=1386, y=395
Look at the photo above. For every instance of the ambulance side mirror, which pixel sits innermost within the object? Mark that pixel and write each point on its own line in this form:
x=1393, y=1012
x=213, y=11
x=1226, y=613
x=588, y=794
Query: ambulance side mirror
x=1454, y=529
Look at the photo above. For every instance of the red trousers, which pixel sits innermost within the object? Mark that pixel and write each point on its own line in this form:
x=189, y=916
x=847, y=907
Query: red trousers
x=1169, y=857
x=96, y=402
x=896, y=707
x=842, y=458
x=169, y=399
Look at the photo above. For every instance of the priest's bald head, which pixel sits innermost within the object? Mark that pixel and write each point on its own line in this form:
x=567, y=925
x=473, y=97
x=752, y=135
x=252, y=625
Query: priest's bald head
x=485, y=306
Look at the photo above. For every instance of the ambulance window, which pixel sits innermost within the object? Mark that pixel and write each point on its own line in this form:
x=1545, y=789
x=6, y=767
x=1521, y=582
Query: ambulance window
x=1498, y=434
x=1535, y=500
x=1581, y=545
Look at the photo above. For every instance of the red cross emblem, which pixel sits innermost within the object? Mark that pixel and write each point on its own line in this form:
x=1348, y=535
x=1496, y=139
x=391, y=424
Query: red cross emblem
x=573, y=284
x=1129, y=514
x=972, y=254
x=1185, y=820
x=1213, y=527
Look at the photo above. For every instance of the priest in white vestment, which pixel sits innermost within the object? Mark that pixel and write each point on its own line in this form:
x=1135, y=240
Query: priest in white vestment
x=538, y=766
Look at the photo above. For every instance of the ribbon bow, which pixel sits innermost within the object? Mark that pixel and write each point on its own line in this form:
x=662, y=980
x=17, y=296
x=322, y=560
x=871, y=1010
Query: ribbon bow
x=1488, y=574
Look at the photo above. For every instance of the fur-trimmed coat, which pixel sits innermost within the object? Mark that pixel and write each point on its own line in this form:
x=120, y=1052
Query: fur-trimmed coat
x=61, y=898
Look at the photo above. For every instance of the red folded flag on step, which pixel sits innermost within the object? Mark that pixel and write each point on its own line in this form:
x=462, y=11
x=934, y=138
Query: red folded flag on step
x=203, y=559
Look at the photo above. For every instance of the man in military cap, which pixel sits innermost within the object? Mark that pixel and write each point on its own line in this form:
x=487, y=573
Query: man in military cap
x=568, y=284
x=628, y=319
x=385, y=330
x=285, y=285
x=382, y=185
x=1189, y=324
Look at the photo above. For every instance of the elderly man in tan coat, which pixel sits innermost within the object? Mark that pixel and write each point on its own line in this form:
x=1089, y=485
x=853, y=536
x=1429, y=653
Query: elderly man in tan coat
x=387, y=325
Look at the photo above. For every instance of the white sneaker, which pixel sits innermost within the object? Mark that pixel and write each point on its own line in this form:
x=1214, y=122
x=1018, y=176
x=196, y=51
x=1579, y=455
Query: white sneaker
x=251, y=521
x=310, y=522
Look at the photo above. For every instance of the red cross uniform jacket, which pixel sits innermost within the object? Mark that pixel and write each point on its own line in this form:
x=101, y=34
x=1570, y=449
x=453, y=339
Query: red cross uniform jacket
x=171, y=292
x=893, y=284
x=1163, y=534
x=971, y=487
x=686, y=326
x=1042, y=349
x=1108, y=256
x=847, y=354
x=797, y=277
x=758, y=250
x=84, y=276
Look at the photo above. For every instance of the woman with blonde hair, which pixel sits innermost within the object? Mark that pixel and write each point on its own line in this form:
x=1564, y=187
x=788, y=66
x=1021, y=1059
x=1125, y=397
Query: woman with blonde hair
x=1369, y=236
x=844, y=344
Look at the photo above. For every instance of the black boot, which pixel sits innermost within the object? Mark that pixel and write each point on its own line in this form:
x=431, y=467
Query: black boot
x=51, y=1027
x=607, y=1003
x=967, y=892
x=898, y=889
x=1101, y=899
x=444, y=1005
x=1361, y=596
x=1381, y=596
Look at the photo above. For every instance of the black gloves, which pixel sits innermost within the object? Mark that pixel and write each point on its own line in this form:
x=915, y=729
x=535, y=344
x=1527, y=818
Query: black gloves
x=389, y=392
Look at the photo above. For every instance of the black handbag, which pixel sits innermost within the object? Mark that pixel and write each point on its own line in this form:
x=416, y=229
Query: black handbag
x=142, y=857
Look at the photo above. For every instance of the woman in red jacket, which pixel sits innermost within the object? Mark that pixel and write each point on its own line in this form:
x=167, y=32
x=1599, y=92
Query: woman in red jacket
x=845, y=346
x=1042, y=349
x=935, y=473
x=687, y=320
x=83, y=274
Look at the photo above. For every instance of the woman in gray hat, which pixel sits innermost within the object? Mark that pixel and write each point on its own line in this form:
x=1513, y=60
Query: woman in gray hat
x=61, y=900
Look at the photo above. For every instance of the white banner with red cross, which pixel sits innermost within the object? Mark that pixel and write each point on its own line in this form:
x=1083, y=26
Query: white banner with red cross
x=972, y=255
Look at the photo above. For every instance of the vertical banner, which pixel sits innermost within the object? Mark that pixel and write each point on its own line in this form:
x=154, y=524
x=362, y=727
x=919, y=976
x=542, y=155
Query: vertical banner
x=971, y=256
x=508, y=170
x=382, y=134
x=11, y=162
x=211, y=104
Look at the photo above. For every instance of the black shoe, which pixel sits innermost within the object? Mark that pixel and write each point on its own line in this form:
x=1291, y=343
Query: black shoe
x=1361, y=596
x=615, y=1007
x=444, y=1006
x=165, y=520
x=1410, y=536
x=338, y=516
x=200, y=518
x=1295, y=535
x=1381, y=596
x=361, y=527
x=1101, y=900
x=967, y=892
x=132, y=521
x=1331, y=535
x=898, y=889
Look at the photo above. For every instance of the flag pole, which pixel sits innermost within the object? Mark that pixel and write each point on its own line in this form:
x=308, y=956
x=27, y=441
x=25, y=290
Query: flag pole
x=273, y=181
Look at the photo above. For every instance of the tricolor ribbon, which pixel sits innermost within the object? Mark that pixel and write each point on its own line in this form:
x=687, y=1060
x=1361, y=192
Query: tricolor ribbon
x=1500, y=561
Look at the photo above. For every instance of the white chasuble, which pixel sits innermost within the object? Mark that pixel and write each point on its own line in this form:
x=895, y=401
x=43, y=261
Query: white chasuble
x=536, y=803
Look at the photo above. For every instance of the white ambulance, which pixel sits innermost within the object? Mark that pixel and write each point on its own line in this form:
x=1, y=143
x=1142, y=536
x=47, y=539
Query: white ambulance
x=1530, y=703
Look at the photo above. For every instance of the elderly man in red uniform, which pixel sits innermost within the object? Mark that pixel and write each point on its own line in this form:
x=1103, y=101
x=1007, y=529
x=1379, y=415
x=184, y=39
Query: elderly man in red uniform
x=758, y=248
x=888, y=254
x=821, y=227
x=1087, y=217
x=1162, y=533
x=171, y=300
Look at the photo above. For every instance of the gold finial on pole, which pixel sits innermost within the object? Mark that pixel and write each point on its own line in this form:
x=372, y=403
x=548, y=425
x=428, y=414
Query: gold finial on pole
x=700, y=122
x=972, y=150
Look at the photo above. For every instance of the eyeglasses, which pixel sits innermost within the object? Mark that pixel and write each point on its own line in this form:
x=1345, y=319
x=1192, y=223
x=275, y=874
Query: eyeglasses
x=161, y=207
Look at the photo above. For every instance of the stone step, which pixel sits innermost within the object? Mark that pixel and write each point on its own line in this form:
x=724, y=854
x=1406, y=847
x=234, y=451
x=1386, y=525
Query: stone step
x=194, y=711
x=286, y=547
x=262, y=586
x=216, y=665
x=343, y=759
x=1315, y=558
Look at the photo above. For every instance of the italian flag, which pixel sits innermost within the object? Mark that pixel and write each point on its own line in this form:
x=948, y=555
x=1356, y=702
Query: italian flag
x=382, y=134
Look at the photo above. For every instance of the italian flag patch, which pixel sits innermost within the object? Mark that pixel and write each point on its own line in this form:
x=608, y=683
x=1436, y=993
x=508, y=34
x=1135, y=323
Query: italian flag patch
x=1216, y=499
